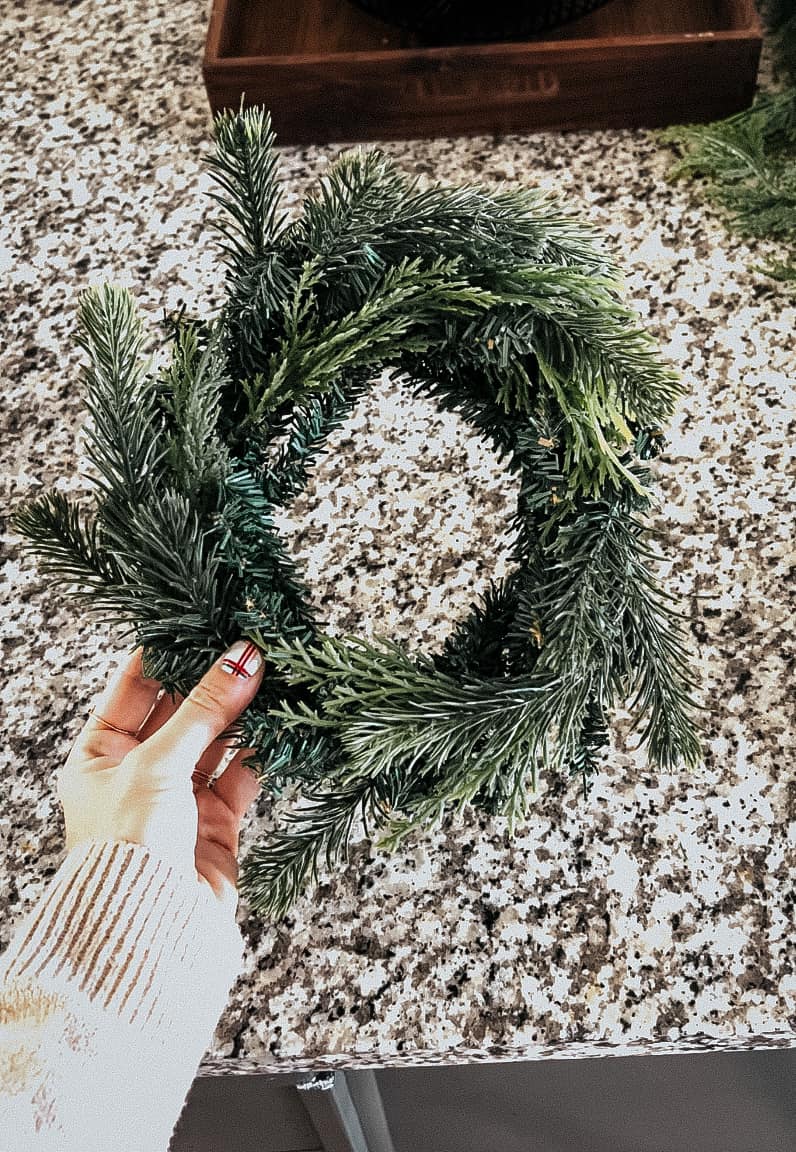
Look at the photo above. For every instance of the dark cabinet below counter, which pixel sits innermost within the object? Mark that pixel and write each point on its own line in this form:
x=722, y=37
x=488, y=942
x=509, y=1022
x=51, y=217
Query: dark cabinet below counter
x=707, y=1102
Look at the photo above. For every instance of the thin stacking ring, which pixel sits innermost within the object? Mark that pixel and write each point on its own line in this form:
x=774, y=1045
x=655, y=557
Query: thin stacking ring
x=206, y=778
x=210, y=778
x=113, y=727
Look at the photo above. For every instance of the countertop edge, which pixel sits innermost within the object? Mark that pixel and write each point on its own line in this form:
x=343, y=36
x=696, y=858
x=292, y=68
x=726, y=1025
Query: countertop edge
x=500, y=1054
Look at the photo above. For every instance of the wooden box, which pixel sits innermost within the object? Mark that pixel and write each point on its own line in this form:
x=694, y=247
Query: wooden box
x=330, y=72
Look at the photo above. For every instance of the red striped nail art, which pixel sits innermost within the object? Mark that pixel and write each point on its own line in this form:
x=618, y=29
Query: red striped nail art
x=243, y=659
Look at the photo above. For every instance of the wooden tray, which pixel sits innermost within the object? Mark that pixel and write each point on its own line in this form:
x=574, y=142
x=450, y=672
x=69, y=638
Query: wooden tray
x=330, y=72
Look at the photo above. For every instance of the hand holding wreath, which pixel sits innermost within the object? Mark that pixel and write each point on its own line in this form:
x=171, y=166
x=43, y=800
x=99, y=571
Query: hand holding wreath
x=141, y=769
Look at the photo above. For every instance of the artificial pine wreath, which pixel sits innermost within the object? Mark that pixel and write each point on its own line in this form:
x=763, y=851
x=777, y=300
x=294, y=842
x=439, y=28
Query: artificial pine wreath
x=500, y=307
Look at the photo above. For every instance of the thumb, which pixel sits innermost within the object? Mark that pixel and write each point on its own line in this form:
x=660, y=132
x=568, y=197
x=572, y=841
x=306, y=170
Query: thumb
x=209, y=709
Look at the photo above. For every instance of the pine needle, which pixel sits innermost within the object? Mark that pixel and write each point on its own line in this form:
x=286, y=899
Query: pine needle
x=747, y=163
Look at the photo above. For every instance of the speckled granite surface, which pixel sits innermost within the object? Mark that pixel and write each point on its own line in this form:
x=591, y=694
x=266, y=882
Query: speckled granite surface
x=657, y=916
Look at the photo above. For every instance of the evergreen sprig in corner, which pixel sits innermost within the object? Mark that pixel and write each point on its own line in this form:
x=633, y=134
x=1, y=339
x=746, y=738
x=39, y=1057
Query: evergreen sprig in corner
x=503, y=309
x=747, y=163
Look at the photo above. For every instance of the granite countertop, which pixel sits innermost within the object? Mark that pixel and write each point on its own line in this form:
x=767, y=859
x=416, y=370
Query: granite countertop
x=657, y=915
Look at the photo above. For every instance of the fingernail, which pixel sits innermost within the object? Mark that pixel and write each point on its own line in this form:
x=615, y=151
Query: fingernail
x=243, y=659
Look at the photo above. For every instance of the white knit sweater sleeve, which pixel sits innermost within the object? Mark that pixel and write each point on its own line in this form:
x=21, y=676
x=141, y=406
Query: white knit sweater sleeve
x=109, y=995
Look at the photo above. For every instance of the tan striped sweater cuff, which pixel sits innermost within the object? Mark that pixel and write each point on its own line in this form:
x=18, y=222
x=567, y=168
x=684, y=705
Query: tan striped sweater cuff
x=140, y=940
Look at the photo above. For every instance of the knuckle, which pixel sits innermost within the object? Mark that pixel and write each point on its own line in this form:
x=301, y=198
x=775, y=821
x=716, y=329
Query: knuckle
x=207, y=698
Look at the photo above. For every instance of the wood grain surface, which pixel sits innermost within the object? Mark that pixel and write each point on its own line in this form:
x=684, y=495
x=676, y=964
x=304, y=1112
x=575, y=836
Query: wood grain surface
x=329, y=71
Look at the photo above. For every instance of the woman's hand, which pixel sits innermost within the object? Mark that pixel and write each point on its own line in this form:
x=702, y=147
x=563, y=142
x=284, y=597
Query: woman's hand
x=130, y=774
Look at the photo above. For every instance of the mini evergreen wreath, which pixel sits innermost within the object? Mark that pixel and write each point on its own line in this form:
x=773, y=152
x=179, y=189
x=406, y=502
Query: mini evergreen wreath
x=500, y=307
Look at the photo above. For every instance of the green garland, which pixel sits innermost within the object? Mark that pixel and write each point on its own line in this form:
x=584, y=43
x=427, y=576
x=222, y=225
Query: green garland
x=748, y=161
x=501, y=308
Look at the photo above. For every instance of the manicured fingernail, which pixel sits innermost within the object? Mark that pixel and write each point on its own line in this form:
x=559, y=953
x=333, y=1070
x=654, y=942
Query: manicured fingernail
x=243, y=659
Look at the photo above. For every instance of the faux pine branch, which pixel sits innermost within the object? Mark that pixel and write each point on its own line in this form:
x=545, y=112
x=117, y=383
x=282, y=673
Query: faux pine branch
x=747, y=163
x=498, y=306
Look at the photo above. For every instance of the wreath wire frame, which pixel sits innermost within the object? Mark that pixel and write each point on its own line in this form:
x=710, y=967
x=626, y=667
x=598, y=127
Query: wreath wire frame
x=500, y=307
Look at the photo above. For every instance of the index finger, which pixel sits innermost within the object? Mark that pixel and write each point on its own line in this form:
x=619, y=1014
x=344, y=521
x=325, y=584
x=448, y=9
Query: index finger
x=209, y=708
x=127, y=700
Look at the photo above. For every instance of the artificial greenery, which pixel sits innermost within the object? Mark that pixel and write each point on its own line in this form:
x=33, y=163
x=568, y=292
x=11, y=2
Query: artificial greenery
x=749, y=160
x=503, y=309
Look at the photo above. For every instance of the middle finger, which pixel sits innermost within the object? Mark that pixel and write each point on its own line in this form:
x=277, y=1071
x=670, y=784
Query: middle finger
x=164, y=709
